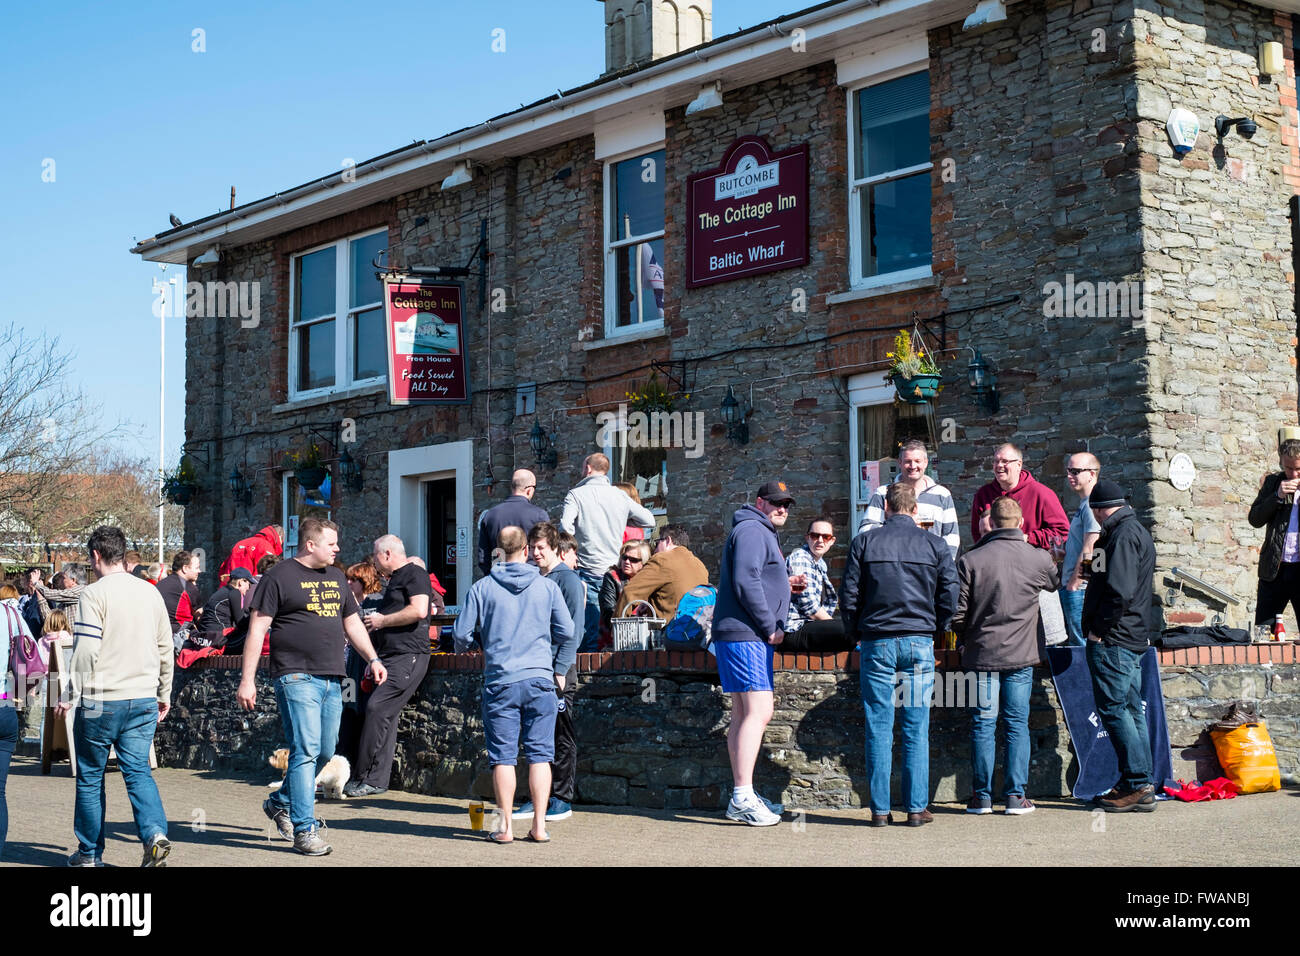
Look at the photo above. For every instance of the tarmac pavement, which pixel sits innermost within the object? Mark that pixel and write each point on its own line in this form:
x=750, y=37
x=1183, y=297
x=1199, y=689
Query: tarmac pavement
x=217, y=821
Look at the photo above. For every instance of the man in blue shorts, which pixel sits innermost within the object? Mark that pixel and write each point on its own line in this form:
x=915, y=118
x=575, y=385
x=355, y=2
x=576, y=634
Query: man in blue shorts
x=519, y=616
x=748, y=623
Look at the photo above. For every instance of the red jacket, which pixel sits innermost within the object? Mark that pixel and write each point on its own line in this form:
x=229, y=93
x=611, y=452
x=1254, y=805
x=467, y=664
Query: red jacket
x=1044, y=516
x=246, y=553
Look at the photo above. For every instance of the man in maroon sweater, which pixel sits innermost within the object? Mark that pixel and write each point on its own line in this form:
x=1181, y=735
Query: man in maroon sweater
x=1045, y=519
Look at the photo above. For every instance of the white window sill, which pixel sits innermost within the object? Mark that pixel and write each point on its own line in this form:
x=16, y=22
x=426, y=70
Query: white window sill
x=374, y=388
x=639, y=335
x=905, y=285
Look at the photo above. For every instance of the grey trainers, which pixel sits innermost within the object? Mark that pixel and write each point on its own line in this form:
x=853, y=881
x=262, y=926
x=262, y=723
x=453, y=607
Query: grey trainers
x=1018, y=806
x=979, y=805
x=156, y=850
x=280, y=818
x=310, y=844
x=75, y=858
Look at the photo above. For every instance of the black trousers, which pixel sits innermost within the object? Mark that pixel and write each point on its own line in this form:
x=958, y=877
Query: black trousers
x=379, y=731
x=1273, y=596
x=818, y=637
x=564, y=771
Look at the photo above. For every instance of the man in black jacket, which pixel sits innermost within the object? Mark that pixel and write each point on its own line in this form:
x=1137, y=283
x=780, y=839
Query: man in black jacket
x=225, y=622
x=1116, y=619
x=516, y=511
x=900, y=586
x=1278, y=509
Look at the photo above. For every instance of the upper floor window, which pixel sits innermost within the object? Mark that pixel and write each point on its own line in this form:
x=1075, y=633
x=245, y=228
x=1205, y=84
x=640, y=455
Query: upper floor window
x=336, y=322
x=634, y=243
x=889, y=214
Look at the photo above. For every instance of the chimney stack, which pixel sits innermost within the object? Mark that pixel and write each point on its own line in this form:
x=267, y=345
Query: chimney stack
x=640, y=31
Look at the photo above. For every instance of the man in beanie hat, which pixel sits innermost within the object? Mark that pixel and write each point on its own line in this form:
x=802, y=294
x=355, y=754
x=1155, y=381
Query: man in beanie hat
x=1116, y=619
x=748, y=623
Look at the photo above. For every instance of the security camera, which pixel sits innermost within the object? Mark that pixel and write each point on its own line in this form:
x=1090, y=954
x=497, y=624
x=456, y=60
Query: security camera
x=1247, y=128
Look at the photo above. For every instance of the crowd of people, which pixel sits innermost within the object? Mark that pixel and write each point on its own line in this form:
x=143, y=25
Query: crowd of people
x=348, y=645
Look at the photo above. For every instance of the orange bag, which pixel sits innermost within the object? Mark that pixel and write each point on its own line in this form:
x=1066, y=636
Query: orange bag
x=1247, y=756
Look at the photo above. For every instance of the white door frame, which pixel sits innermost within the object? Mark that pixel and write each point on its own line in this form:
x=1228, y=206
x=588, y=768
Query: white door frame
x=408, y=470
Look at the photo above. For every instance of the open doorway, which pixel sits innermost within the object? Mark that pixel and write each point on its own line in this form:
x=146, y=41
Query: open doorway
x=440, y=531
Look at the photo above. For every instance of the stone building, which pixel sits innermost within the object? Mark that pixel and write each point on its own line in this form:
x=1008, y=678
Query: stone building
x=1001, y=181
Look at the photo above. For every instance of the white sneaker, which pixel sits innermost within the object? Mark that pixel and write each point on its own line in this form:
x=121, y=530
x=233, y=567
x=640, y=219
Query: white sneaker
x=756, y=814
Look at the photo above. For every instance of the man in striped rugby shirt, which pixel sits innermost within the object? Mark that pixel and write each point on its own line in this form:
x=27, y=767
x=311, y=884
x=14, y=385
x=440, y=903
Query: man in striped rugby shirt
x=936, y=512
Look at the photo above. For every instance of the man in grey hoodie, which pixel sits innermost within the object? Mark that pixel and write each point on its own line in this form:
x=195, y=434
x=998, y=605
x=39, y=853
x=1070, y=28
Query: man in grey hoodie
x=519, y=616
x=597, y=514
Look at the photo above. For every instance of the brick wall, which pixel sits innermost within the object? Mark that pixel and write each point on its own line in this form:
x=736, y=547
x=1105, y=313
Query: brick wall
x=651, y=727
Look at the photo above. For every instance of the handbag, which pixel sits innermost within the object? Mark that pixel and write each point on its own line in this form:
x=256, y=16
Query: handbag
x=27, y=658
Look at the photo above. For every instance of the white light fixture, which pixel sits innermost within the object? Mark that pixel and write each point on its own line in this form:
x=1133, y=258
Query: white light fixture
x=1271, y=60
x=710, y=98
x=986, y=12
x=461, y=175
x=209, y=258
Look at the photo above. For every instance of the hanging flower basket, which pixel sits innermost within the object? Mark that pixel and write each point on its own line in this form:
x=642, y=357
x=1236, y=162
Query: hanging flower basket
x=918, y=389
x=913, y=370
x=311, y=477
x=179, y=493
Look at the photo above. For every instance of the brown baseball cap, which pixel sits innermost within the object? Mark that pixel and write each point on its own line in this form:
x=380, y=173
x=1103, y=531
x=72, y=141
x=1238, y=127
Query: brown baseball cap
x=776, y=492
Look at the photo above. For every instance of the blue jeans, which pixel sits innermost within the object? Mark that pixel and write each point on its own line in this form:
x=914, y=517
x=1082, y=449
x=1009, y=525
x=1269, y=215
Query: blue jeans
x=127, y=726
x=8, y=741
x=906, y=663
x=310, y=709
x=1002, y=695
x=1072, y=605
x=1117, y=689
x=591, y=626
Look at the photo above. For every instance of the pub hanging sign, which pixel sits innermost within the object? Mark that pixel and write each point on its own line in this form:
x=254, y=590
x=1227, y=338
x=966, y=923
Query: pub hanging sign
x=426, y=341
x=748, y=216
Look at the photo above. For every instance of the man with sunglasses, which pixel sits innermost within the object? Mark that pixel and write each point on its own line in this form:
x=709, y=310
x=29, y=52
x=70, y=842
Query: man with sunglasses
x=670, y=573
x=1081, y=470
x=810, y=624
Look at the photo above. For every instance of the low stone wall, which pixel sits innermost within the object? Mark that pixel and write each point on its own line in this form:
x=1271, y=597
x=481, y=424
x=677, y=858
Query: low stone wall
x=651, y=726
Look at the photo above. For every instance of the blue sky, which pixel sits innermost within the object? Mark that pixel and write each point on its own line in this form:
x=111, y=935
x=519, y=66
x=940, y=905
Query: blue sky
x=139, y=125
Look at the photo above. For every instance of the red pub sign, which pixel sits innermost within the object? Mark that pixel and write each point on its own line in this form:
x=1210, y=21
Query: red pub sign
x=748, y=216
x=426, y=342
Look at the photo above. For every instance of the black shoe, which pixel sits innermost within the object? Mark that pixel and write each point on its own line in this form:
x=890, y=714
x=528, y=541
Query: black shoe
x=356, y=788
x=881, y=819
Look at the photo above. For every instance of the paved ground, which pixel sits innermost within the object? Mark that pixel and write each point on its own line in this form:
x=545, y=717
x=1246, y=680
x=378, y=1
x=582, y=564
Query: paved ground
x=216, y=821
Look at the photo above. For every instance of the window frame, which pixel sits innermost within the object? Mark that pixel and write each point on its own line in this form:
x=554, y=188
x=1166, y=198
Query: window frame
x=344, y=319
x=857, y=188
x=611, y=248
x=610, y=450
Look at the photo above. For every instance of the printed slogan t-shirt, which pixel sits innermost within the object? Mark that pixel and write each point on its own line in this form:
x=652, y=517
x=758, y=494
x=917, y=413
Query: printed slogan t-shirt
x=405, y=583
x=309, y=606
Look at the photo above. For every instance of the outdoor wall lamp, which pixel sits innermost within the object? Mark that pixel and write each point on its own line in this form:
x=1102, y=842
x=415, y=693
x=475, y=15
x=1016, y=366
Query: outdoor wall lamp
x=734, y=416
x=542, y=445
x=1245, y=126
x=462, y=174
x=983, y=382
x=350, y=472
x=239, y=489
x=710, y=98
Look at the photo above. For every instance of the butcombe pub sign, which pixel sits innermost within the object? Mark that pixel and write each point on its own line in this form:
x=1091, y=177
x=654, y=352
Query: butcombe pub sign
x=748, y=216
x=426, y=342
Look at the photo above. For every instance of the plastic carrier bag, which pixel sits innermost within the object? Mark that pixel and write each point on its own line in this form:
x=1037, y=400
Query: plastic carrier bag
x=1245, y=750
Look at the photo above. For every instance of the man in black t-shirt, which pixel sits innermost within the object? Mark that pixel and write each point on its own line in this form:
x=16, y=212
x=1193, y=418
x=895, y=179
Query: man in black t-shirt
x=312, y=609
x=400, y=629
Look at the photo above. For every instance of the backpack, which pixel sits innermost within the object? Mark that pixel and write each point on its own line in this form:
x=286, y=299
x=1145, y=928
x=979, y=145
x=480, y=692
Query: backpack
x=691, y=628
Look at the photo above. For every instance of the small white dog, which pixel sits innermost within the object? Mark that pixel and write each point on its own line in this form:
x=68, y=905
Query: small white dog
x=329, y=781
